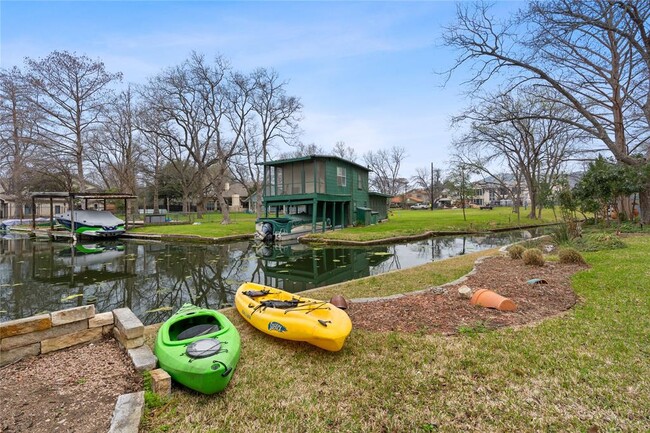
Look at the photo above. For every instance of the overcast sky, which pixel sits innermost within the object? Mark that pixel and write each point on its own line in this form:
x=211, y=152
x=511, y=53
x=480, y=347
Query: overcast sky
x=365, y=71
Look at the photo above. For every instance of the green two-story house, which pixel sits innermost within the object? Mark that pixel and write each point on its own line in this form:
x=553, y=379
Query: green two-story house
x=316, y=193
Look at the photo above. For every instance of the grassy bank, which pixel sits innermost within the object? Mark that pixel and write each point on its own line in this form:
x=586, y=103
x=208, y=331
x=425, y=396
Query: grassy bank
x=588, y=368
x=415, y=222
x=209, y=226
x=400, y=223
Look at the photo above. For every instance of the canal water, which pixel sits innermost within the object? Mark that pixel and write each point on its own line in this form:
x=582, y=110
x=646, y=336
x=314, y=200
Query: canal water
x=154, y=278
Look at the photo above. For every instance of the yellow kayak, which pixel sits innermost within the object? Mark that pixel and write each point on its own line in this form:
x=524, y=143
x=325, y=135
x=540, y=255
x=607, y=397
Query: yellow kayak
x=292, y=317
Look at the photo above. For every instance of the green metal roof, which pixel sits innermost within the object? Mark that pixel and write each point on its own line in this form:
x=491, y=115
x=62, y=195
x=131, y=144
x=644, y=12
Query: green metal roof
x=312, y=157
x=379, y=194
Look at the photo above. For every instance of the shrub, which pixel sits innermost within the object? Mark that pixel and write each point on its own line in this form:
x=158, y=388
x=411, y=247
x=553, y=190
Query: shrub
x=533, y=256
x=516, y=251
x=570, y=255
x=561, y=234
x=598, y=242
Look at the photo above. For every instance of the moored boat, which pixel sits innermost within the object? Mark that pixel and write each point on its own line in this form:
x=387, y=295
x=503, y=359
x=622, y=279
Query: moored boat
x=292, y=317
x=285, y=228
x=199, y=348
x=93, y=223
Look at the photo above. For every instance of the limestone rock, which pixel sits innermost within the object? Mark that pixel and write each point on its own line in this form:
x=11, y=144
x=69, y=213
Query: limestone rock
x=25, y=326
x=127, y=343
x=465, y=292
x=34, y=337
x=9, y=356
x=72, y=315
x=101, y=319
x=127, y=413
x=161, y=382
x=128, y=324
x=143, y=358
x=58, y=343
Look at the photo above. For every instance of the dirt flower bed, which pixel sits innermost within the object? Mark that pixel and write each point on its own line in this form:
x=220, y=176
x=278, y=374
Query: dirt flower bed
x=448, y=313
x=72, y=390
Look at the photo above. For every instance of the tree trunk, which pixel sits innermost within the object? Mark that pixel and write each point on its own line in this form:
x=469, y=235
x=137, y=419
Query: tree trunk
x=225, y=210
x=156, y=208
x=532, y=214
x=186, y=201
x=644, y=205
x=624, y=206
x=258, y=202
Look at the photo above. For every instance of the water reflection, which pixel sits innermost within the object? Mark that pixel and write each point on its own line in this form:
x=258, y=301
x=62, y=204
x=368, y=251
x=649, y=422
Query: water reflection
x=154, y=279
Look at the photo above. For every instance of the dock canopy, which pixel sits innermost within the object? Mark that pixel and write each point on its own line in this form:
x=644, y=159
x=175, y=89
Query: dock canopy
x=72, y=196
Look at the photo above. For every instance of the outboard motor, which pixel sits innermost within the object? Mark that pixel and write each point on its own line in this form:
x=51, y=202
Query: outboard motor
x=267, y=231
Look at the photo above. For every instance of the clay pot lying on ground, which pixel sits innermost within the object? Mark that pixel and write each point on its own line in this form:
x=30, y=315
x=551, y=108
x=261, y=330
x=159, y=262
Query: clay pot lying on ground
x=488, y=298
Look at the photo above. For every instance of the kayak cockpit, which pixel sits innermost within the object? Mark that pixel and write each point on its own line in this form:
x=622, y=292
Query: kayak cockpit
x=193, y=326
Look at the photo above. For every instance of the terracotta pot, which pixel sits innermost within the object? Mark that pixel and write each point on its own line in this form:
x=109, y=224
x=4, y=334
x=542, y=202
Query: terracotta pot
x=488, y=298
x=339, y=302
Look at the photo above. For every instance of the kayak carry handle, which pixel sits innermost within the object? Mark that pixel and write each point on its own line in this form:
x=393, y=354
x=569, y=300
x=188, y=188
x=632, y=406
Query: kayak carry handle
x=227, y=369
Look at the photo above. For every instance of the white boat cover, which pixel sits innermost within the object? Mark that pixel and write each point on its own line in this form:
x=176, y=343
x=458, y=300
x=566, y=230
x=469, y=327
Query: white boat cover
x=92, y=218
x=24, y=221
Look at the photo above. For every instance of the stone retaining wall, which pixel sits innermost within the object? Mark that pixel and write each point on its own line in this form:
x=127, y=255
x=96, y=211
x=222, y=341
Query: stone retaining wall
x=46, y=333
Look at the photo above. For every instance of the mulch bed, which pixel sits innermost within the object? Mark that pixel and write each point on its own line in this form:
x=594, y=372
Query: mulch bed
x=447, y=312
x=71, y=390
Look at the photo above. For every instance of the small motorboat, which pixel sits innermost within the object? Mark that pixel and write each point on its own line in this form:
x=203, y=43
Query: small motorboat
x=199, y=348
x=93, y=223
x=292, y=317
x=285, y=228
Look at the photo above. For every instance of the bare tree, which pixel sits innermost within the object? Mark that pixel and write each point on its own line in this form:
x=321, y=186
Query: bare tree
x=152, y=162
x=163, y=139
x=18, y=131
x=593, y=57
x=518, y=131
x=460, y=184
x=199, y=113
x=430, y=181
x=343, y=151
x=303, y=150
x=72, y=91
x=275, y=118
x=385, y=166
x=244, y=167
x=114, y=150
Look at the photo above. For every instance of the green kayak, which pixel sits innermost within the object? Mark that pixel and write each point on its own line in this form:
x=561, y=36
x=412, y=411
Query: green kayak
x=199, y=348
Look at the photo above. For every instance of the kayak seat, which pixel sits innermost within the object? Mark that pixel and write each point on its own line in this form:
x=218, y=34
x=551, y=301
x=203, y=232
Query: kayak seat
x=196, y=330
x=256, y=293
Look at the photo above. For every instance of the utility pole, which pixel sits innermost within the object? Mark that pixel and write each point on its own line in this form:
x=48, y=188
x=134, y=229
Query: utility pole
x=431, y=195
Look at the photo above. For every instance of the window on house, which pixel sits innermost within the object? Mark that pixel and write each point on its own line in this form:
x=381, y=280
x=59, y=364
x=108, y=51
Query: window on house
x=341, y=178
x=57, y=209
x=360, y=181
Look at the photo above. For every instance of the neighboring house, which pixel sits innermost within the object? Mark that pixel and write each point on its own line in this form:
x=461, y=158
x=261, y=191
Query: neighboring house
x=326, y=188
x=414, y=196
x=8, y=207
x=490, y=191
x=236, y=197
